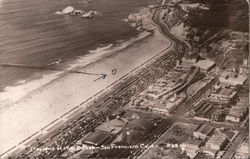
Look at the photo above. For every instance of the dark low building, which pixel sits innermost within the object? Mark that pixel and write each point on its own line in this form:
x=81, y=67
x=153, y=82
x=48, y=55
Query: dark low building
x=203, y=131
x=97, y=138
x=142, y=124
x=136, y=130
x=113, y=126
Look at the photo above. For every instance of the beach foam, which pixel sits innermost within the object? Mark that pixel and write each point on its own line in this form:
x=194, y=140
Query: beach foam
x=49, y=102
x=101, y=49
x=102, y=52
x=12, y=94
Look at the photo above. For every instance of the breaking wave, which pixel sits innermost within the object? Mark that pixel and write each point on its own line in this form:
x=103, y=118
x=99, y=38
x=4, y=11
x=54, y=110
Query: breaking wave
x=13, y=94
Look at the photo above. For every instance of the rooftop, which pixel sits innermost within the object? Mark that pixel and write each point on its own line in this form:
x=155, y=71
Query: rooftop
x=141, y=124
x=242, y=150
x=205, y=64
x=193, y=141
x=96, y=138
x=209, y=151
x=112, y=126
x=217, y=139
x=237, y=111
x=240, y=80
x=227, y=92
x=205, y=129
x=188, y=60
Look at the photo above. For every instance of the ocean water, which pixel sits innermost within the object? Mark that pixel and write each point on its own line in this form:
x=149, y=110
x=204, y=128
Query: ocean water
x=31, y=34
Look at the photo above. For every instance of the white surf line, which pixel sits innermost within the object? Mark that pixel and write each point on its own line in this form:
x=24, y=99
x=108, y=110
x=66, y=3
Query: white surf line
x=46, y=68
x=65, y=72
x=14, y=148
x=78, y=106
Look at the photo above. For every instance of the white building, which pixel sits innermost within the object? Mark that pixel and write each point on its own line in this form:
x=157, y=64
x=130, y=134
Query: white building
x=242, y=151
x=203, y=131
x=205, y=65
x=217, y=141
x=236, y=113
x=239, y=80
x=191, y=146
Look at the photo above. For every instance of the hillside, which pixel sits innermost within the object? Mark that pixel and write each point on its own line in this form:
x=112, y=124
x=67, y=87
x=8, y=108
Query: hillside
x=217, y=29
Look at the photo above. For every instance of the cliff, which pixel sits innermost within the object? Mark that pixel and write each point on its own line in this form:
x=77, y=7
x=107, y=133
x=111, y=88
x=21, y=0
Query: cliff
x=217, y=29
x=142, y=19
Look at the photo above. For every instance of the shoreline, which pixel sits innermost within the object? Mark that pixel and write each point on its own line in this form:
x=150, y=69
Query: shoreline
x=65, y=101
x=34, y=83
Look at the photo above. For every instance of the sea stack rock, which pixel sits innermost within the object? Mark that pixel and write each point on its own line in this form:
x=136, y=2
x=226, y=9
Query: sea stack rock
x=68, y=10
x=89, y=14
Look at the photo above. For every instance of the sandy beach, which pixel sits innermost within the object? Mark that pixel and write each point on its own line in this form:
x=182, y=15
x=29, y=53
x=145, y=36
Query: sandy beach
x=51, y=101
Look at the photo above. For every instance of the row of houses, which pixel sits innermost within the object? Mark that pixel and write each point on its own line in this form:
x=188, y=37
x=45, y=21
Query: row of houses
x=205, y=65
x=221, y=95
x=242, y=151
x=238, y=111
x=206, y=139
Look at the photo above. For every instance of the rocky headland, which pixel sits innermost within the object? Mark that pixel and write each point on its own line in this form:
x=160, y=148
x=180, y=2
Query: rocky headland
x=216, y=29
x=142, y=20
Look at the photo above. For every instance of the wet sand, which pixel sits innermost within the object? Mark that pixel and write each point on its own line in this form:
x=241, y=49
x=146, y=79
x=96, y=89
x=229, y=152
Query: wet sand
x=51, y=101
